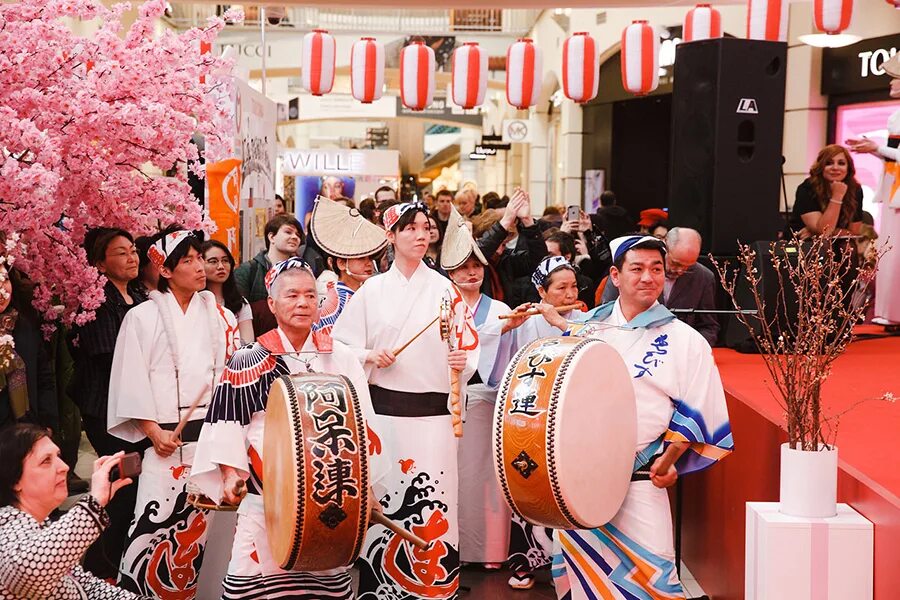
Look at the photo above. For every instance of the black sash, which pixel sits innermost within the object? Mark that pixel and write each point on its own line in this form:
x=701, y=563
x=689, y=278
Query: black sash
x=392, y=403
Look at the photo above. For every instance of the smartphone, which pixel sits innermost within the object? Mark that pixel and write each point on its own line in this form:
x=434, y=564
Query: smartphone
x=573, y=212
x=129, y=466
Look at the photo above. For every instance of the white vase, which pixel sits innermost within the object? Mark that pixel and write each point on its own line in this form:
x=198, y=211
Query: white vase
x=808, y=482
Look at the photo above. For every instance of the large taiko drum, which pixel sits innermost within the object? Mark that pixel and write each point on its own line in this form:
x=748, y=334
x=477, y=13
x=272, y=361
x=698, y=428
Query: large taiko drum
x=315, y=472
x=564, y=432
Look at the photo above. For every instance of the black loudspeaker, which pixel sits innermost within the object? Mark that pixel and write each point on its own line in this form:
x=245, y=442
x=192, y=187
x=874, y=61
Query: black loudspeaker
x=736, y=334
x=727, y=124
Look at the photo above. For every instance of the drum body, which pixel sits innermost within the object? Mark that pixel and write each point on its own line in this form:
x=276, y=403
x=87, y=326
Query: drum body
x=565, y=430
x=315, y=472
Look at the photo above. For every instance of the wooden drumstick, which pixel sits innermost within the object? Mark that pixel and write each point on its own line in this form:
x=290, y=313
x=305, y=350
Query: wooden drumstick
x=187, y=416
x=533, y=311
x=413, y=338
x=668, y=458
x=410, y=537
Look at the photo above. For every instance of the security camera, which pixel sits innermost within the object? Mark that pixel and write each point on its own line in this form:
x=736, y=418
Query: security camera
x=274, y=14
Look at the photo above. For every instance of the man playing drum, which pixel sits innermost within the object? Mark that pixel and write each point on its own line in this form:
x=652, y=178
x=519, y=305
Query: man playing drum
x=681, y=414
x=231, y=441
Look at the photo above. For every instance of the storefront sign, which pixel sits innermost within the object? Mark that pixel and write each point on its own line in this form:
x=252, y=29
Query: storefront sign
x=383, y=163
x=281, y=50
x=857, y=68
x=442, y=110
x=307, y=107
x=493, y=145
x=517, y=131
x=485, y=151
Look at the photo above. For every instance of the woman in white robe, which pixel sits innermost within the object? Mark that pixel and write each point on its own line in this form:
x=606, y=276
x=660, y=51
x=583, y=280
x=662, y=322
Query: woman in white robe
x=484, y=516
x=530, y=547
x=410, y=396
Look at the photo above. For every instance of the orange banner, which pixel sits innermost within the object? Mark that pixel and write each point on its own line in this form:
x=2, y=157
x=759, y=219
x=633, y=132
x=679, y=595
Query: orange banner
x=223, y=182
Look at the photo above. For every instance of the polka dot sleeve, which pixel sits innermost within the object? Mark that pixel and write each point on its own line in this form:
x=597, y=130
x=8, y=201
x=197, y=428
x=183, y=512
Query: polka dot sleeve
x=35, y=559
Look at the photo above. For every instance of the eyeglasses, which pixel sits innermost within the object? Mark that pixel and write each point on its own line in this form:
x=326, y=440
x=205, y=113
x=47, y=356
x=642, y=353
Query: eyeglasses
x=123, y=254
x=215, y=262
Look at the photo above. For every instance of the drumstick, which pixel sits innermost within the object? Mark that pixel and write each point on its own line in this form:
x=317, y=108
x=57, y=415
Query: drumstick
x=239, y=490
x=533, y=311
x=187, y=416
x=413, y=338
x=668, y=459
x=412, y=538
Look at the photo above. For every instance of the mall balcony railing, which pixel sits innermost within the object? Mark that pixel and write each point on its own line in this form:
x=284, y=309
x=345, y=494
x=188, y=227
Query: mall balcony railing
x=507, y=22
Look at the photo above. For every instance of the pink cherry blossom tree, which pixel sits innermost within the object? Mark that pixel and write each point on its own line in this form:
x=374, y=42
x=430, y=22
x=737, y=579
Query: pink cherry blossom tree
x=96, y=131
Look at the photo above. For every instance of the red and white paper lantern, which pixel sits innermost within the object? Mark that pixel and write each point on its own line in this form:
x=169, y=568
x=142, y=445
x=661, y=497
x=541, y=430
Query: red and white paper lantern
x=640, y=58
x=523, y=73
x=470, y=72
x=318, y=62
x=367, y=70
x=767, y=20
x=702, y=22
x=417, y=76
x=581, y=67
x=832, y=16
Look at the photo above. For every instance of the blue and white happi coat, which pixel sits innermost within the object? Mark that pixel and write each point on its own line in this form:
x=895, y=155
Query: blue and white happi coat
x=679, y=399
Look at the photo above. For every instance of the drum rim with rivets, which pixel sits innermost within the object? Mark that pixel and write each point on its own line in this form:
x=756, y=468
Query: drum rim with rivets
x=299, y=539
x=584, y=444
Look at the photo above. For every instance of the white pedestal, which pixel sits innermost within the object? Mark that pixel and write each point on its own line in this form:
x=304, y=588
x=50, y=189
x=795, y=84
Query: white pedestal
x=793, y=558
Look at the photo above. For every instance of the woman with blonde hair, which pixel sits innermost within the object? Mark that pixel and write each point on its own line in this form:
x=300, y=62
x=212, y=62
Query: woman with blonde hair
x=829, y=201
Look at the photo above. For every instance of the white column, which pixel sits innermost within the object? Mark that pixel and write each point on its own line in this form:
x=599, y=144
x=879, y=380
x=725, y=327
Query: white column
x=538, y=170
x=571, y=139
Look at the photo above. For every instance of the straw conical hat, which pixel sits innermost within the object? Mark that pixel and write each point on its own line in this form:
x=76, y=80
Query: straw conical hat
x=458, y=243
x=343, y=232
x=892, y=66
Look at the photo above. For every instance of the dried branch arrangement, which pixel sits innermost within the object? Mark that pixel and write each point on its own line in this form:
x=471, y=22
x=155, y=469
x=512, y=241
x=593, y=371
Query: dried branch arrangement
x=817, y=304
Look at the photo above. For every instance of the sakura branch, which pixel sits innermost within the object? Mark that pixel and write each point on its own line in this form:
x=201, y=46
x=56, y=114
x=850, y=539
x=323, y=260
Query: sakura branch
x=810, y=325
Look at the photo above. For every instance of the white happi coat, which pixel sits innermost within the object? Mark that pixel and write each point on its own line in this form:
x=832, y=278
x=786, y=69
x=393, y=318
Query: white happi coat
x=143, y=384
x=385, y=313
x=422, y=487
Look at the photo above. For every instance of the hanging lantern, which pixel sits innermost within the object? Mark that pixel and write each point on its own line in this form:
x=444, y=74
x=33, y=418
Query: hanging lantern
x=702, y=22
x=640, y=58
x=470, y=72
x=832, y=16
x=417, y=76
x=523, y=73
x=205, y=48
x=581, y=67
x=318, y=62
x=767, y=20
x=367, y=70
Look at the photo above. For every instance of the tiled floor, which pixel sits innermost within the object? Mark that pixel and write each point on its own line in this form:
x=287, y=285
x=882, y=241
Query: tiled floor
x=475, y=582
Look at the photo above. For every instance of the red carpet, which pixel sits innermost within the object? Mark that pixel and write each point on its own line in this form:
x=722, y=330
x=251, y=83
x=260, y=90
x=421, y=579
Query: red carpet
x=869, y=478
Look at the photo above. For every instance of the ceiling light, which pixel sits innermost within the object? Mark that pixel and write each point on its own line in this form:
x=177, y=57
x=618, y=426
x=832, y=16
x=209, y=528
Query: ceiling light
x=829, y=40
